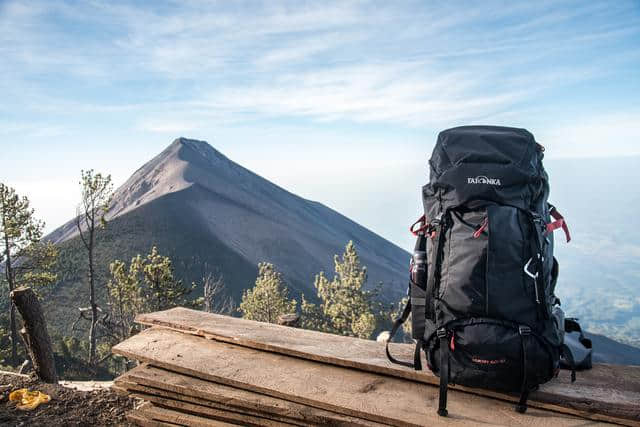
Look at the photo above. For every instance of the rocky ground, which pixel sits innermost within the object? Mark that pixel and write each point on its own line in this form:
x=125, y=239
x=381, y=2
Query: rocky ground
x=67, y=407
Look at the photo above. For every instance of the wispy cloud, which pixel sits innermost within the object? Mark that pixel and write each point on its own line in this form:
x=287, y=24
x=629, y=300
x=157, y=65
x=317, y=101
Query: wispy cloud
x=400, y=93
x=413, y=64
x=605, y=135
x=169, y=126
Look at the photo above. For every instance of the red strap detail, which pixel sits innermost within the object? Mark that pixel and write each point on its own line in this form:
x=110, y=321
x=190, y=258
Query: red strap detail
x=452, y=344
x=558, y=223
x=483, y=227
x=422, y=220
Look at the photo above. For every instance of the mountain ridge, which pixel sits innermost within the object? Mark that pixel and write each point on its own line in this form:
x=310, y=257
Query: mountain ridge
x=180, y=147
x=244, y=212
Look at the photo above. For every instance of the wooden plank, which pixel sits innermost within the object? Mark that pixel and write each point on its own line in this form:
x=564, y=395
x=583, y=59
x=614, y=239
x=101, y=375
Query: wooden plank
x=208, y=412
x=355, y=393
x=150, y=393
x=140, y=420
x=607, y=392
x=136, y=417
x=203, y=391
x=173, y=417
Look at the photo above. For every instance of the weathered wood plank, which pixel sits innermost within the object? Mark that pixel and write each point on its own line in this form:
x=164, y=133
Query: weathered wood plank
x=607, y=392
x=355, y=393
x=173, y=417
x=141, y=421
x=203, y=391
x=136, y=417
x=151, y=393
x=208, y=412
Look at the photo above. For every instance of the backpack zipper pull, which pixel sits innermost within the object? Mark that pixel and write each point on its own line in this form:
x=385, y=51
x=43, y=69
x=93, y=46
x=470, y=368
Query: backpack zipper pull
x=483, y=226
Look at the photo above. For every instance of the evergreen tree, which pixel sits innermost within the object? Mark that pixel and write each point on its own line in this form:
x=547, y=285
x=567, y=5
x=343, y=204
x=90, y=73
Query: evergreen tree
x=96, y=194
x=160, y=289
x=27, y=261
x=269, y=297
x=124, y=298
x=345, y=308
x=146, y=284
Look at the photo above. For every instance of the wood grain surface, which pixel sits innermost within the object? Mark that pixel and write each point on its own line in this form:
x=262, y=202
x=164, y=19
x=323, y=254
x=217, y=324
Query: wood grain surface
x=351, y=392
x=606, y=392
x=206, y=391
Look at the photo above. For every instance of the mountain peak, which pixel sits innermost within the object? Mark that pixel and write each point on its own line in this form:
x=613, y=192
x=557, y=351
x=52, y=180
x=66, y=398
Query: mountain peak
x=188, y=148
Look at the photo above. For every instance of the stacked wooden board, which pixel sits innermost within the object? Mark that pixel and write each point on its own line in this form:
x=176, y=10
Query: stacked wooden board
x=205, y=369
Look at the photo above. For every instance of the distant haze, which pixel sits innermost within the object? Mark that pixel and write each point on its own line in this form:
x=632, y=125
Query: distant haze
x=599, y=269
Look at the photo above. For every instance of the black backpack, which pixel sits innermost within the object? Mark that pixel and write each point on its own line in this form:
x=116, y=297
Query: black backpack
x=483, y=275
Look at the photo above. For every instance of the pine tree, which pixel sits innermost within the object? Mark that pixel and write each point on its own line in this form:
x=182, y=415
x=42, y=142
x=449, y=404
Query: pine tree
x=27, y=260
x=146, y=284
x=160, y=289
x=345, y=308
x=124, y=298
x=269, y=297
x=96, y=194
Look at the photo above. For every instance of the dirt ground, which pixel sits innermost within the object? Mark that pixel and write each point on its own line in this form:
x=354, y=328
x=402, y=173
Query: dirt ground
x=67, y=407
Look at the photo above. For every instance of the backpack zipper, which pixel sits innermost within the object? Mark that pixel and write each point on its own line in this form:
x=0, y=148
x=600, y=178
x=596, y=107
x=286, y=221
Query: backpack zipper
x=483, y=226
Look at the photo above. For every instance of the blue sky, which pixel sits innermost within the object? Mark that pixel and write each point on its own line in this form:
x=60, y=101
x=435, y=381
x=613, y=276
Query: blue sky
x=336, y=101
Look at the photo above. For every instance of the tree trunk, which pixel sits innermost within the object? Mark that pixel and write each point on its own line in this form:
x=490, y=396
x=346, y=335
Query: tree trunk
x=92, y=302
x=14, y=332
x=35, y=334
x=12, y=310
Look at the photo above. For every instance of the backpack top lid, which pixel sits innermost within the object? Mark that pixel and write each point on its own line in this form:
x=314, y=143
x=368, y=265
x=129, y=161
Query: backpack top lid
x=492, y=163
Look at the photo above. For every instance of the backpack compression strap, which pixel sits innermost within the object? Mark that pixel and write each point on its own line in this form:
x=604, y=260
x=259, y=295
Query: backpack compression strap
x=521, y=407
x=417, y=363
x=558, y=223
x=436, y=231
x=444, y=372
x=418, y=305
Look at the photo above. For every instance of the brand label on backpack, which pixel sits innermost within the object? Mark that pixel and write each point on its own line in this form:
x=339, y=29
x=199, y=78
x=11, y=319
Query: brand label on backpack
x=488, y=361
x=484, y=180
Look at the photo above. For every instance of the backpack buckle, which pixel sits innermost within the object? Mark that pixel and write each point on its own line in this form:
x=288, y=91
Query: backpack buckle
x=524, y=330
x=441, y=333
x=437, y=220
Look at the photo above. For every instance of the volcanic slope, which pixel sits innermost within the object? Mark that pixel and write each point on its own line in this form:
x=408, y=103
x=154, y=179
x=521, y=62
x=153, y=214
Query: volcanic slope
x=211, y=214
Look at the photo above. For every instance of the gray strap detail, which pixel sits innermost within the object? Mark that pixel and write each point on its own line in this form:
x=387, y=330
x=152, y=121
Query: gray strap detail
x=418, y=307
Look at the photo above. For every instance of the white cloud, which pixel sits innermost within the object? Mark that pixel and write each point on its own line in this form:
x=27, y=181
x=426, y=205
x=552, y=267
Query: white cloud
x=168, y=126
x=406, y=93
x=196, y=65
x=606, y=135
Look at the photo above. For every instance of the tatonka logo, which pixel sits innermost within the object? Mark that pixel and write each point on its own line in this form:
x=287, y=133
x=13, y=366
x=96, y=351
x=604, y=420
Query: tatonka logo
x=484, y=180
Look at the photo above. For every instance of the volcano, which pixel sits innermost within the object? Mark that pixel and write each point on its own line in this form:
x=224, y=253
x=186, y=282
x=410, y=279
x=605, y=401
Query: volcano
x=209, y=214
